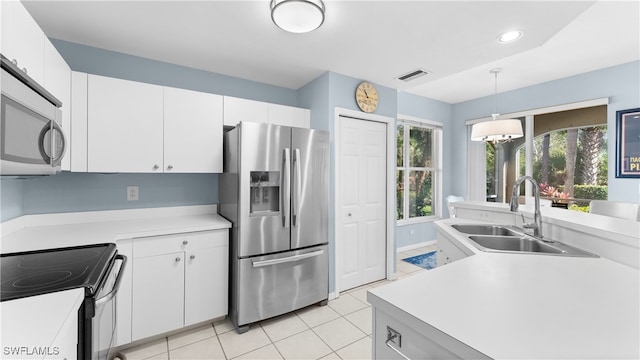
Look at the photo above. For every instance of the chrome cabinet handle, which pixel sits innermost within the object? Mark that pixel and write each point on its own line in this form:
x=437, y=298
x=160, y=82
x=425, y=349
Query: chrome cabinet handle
x=169, y=167
x=178, y=259
x=192, y=257
x=185, y=242
x=156, y=167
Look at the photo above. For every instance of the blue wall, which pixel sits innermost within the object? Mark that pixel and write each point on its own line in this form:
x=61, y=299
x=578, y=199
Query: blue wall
x=621, y=84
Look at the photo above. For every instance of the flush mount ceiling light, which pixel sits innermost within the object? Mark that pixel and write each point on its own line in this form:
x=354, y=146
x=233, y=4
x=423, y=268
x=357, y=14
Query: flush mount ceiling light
x=297, y=16
x=496, y=130
x=510, y=36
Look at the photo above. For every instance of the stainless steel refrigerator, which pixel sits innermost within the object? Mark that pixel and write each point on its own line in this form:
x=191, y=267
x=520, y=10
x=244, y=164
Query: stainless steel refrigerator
x=275, y=191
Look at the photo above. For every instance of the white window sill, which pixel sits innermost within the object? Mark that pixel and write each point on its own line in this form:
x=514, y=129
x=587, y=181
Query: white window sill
x=418, y=220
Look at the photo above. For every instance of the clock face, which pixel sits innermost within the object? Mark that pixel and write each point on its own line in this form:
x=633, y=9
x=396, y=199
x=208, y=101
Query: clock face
x=367, y=97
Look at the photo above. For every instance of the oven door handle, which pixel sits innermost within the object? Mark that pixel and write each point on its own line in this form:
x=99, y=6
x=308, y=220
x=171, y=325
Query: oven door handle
x=287, y=259
x=116, y=285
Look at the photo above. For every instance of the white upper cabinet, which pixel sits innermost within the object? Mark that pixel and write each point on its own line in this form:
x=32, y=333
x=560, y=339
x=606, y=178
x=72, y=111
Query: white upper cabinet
x=192, y=131
x=289, y=116
x=125, y=127
x=237, y=110
x=145, y=128
x=22, y=39
x=78, y=149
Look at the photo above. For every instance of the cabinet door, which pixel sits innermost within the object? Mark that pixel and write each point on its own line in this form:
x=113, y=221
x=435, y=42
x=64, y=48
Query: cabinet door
x=158, y=295
x=206, y=279
x=192, y=131
x=125, y=126
x=78, y=148
x=289, y=116
x=26, y=43
x=237, y=110
x=57, y=80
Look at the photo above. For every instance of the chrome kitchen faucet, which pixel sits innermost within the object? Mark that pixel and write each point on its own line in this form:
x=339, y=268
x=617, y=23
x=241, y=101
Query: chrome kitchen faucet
x=537, y=217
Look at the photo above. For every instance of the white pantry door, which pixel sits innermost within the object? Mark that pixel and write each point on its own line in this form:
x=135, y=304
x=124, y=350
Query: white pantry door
x=362, y=208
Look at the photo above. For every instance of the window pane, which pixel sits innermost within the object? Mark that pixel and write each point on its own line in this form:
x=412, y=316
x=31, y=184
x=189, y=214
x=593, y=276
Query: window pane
x=420, y=145
x=400, y=146
x=420, y=193
x=400, y=194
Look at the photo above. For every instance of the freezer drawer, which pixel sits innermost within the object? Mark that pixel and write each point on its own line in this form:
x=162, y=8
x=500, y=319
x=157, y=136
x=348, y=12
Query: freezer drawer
x=272, y=285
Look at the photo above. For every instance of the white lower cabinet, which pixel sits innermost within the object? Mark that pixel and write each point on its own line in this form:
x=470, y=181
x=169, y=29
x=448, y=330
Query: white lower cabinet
x=450, y=250
x=178, y=280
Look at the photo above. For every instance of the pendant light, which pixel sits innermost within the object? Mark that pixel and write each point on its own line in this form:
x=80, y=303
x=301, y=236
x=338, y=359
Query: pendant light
x=496, y=130
x=297, y=16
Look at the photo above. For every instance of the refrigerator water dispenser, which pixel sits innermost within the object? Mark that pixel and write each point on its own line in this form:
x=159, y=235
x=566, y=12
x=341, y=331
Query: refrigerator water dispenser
x=265, y=192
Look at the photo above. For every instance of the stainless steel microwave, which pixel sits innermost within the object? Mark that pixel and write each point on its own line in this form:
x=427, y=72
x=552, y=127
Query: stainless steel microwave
x=31, y=139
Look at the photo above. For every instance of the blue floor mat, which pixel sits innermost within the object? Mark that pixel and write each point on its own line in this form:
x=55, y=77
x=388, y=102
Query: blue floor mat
x=426, y=261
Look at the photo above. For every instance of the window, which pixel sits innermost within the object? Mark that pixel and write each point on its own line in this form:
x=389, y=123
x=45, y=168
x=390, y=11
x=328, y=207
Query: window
x=570, y=165
x=418, y=173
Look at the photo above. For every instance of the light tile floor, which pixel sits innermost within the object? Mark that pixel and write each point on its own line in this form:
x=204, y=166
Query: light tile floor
x=341, y=330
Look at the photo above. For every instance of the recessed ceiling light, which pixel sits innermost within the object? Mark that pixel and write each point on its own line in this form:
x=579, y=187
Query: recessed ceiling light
x=510, y=36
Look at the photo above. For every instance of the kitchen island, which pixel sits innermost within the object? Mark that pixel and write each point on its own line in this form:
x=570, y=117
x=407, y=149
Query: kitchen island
x=510, y=306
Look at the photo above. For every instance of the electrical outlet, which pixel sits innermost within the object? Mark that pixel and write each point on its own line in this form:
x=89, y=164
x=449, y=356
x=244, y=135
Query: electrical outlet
x=394, y=337
x=132, y=193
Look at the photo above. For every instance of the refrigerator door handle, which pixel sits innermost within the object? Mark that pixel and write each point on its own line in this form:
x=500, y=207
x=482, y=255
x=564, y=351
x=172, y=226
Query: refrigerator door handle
x=287, y=259
x=285, y=193
x=296, y=186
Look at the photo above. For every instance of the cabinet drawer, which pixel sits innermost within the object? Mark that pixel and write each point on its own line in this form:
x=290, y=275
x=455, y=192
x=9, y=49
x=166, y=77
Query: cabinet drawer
x=166, y=244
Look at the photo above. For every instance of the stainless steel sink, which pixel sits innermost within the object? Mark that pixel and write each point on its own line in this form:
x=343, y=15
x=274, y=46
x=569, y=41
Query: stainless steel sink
x=510, y=239
x=480, y=229
x=515, y=243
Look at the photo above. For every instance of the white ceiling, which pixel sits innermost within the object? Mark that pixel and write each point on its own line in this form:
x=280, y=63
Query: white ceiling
x=371, y=40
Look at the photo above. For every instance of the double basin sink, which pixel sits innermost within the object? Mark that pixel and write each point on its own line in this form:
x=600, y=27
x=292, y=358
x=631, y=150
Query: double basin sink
x=510, y=239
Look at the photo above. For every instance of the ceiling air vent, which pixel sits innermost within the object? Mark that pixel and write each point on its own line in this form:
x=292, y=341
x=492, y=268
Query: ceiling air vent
x=413, y=75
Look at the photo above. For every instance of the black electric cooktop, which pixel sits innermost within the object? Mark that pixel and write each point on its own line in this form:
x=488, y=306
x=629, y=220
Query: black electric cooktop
x=39, y=272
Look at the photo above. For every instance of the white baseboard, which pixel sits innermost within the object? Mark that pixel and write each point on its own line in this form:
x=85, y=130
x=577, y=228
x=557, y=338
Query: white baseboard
x=416, y=246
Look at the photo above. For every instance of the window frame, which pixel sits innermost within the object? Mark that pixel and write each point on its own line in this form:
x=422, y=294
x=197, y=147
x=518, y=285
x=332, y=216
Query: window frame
x=436, y=169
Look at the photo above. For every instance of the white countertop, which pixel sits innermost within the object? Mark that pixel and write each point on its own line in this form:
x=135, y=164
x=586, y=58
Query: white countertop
x=72, y=229
x=33, y=324
x=510, y=306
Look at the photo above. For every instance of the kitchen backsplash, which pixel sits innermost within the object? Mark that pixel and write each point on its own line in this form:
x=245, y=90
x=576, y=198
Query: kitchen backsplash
x=69, y=192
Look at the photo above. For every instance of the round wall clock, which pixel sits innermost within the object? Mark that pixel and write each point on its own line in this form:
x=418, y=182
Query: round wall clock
x=367, y=97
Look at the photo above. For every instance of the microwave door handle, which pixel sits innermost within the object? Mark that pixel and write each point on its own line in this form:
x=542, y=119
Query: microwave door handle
x=285, y=193
x=57, y=159
x=116, y=285
x=41, y=142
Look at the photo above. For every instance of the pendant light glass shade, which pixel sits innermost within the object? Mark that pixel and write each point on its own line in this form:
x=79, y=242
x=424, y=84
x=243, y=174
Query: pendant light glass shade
x=297, y=16
x=496, y=130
